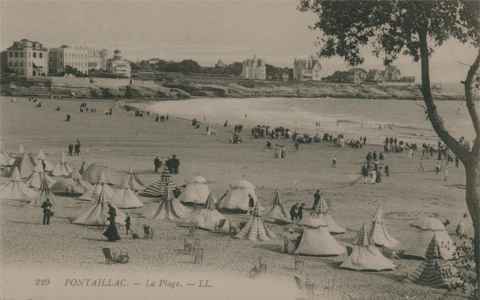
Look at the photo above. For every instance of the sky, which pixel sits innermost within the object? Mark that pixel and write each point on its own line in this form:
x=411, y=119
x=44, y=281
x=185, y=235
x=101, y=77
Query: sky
x=203, y=30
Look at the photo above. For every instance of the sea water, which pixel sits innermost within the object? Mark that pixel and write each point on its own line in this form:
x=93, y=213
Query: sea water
x=375, y=119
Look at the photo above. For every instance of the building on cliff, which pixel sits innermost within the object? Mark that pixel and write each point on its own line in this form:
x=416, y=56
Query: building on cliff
x=118, y=66
x=26, y=59
x=254, y=68
x=307, y=69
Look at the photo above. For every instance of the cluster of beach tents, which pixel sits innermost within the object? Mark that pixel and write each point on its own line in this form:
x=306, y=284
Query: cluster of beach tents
x=34, y=178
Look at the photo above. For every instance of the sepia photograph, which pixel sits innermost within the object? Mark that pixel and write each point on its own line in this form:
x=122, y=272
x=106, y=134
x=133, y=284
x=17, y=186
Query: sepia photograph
x=240, y=149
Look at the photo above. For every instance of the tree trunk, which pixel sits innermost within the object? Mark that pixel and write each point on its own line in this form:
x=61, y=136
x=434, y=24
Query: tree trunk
x=472, y=173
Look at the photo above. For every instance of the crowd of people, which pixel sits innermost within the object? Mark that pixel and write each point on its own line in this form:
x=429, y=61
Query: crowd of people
x=172, y=163
x=74, y=149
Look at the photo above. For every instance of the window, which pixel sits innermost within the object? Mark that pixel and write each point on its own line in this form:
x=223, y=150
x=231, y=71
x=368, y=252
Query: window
x=16, y=54
x=34, y=54
x=21, y=54
x=10, y=54
x=40, y=54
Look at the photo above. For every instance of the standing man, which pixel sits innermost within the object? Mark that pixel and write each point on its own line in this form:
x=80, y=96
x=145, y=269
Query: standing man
x=300, y=212
x=157, y=163
x=128, y=222
x=175, y=164
x=316, y=199
x=365, y=173
x=70, y=149
x=47, y=211
x=251, y=204
x=77, y=148
x=293, y=212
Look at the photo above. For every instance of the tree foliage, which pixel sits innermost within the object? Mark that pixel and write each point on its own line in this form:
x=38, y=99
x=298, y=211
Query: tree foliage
x=391, y=27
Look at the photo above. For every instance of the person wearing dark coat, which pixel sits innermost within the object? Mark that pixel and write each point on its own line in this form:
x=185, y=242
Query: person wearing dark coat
x=387, y=170
x=70, y=149
x=300, y=212
x=293, y=212
x=175, y=163
x=47, y=211
x=112, y=233
x=128, y=223
x=157, y=163
x=316, y=199
x=251, y=203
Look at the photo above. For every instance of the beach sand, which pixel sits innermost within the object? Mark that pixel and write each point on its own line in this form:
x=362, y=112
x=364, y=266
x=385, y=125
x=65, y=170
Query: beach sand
x=123, y=141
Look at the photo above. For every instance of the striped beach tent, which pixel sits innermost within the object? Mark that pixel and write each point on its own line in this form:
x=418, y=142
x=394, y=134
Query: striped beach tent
x=160, y=187
x=171, y=209
x=255, y=229
x=435, y=271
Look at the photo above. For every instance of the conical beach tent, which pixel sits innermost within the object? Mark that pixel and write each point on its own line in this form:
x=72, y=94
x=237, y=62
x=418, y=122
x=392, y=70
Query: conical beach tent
x=209, y=218
x=366, y=256
x=379, y=234
x=124, y=197
x=62, y=168
x=92, y=194
x=170, y=208
x=318, y=242
x=435, y=271
x=73, y=185
x=160, y=187
x=196, y=191
x=5, y=159
x=236, y=198
x=96, y=173
x=134, y=182
x=277, y=213
x=324, y=210
x=25, y=165
x=97, y=214
x=35, y=180
x=255, y=229
x=16, y=189
x=418, y=242
x=44, y=193
x=42, y=159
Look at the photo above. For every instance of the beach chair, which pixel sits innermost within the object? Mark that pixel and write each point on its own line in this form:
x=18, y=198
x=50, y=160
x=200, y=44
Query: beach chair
x=298, y=263
x=107, y=253
x=198, y=256
x=111, y=258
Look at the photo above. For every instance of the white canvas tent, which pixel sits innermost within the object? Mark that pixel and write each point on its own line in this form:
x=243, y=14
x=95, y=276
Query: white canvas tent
x=277, y=214
x=101, y=186
x=365, y=256
x=134, y=182
x=324, y=210
x=62, y=168
x=44, y=193
x=16, y=189
x=96, y=173
x=255, y=229
x=42, y=160
x=35, y=180
x=97, y=214
x=170, y=208
x=209, y=218
x=435, y=271
x=124, y=197
x=379, y=234
x=196, y=191
x=25, y=165
x=318, y=242
x=236, y=199
x=425, y=229
x=73, y=185
x=5, y=159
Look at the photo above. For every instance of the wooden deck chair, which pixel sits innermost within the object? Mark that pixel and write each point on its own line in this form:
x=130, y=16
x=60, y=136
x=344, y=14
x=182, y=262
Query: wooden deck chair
x=107, y=253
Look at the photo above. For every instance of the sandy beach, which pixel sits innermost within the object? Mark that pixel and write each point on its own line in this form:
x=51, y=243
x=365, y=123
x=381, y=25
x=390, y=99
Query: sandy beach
x=123, y=141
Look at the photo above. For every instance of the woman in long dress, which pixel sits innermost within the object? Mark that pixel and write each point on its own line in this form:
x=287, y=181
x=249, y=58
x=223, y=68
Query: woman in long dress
x=112, y=233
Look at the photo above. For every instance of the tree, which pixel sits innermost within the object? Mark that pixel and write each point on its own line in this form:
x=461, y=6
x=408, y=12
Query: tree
x=412, y=28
